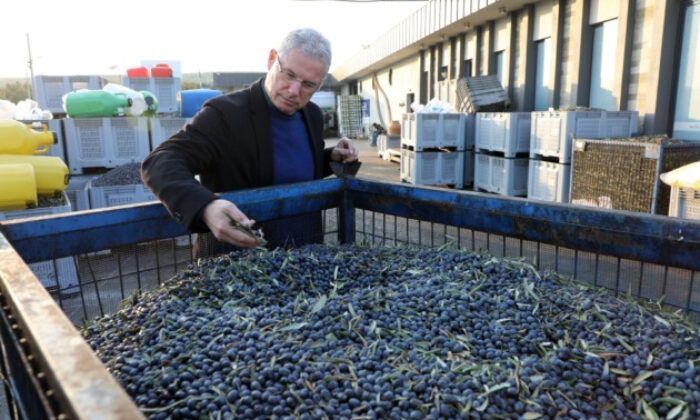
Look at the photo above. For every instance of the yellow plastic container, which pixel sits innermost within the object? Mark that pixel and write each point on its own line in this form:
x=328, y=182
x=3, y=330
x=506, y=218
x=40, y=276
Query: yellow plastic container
x=17, y=187
x=17, y=138
x=50, y=172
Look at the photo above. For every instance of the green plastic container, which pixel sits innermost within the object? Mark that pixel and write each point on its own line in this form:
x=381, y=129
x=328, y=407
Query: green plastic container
x=95, y=103
x=151, y=102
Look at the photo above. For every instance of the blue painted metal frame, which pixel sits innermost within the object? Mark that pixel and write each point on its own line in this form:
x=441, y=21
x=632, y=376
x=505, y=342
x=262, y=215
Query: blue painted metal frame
x=81, y=232
x=648, y=238
x=644, y=237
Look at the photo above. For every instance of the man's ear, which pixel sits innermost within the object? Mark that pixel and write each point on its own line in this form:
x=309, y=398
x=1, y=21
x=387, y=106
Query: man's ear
x=271, y=58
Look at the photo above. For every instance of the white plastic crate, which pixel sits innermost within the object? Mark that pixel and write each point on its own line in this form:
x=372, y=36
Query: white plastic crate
x=164, y=127
x=432, y=168
x=49, y=90
x=386, y=142
x=685, y=203
x=436, y=130
x=55, y=126
x=548, y=181
x=503, y=132
x=468, y=172
x=118, y=195
x=76, y=192
x=53, y=274
x=500, y=175
x=457, y=130
x=552, y=131
x=165, y=89
x=105, y=142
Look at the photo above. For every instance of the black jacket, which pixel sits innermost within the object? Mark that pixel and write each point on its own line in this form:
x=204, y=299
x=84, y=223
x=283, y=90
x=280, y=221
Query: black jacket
x=229, y=144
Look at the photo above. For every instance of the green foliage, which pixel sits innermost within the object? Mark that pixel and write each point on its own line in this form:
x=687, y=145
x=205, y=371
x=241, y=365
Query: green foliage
x=189, y=85
x=14, y=91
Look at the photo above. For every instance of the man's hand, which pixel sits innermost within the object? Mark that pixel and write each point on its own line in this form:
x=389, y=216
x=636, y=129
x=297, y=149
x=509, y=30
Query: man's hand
x=344, y=151
x=218, y=215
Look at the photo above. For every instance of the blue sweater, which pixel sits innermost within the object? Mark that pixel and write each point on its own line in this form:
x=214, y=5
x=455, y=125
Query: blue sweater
x=292, y=154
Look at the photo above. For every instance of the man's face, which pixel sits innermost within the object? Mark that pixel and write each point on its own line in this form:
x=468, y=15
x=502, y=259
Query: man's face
x=292, y=79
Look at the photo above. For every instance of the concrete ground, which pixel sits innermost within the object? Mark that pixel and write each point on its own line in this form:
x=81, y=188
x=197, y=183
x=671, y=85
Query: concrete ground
x=373, y=166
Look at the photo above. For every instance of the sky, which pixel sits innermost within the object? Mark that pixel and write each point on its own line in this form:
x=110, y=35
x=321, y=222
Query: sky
x=86, y=37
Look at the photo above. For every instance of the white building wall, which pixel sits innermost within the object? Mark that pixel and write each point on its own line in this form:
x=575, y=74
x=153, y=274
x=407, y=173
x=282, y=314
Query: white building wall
x=640, y=62
x=567, y=96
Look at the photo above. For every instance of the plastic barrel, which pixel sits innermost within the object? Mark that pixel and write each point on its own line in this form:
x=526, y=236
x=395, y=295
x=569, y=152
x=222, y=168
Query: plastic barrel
x=17, y=186
x=191, y=101
x=17, y=138
x=49, y=172
x=95, y=103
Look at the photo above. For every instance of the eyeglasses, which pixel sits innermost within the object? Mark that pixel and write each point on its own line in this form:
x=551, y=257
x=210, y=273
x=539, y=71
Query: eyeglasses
x=290, y=77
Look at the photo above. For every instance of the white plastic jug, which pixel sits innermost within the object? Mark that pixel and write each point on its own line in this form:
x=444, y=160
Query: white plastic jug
x=138, y=102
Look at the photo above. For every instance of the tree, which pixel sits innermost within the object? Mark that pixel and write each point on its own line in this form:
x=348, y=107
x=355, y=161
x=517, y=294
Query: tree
x=15, y=91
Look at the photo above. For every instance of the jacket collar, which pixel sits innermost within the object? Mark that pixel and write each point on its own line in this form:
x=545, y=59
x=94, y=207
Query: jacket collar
x=260, y=115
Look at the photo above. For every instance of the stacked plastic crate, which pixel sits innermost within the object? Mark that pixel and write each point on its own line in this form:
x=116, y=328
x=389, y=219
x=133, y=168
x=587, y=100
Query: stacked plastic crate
x=49, y=90
x=161, y=128
x=389, y=147
x=684, y=203
x=350, y=116
x=164, y=88
x=502, y=147
x=57, y=275
x=433, y=148
x=551, y=142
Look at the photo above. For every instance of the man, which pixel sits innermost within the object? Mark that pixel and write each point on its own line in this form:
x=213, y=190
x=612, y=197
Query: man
x=268, y=134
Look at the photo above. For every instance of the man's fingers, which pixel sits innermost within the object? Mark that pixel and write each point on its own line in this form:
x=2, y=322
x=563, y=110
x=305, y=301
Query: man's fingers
x=221, y=216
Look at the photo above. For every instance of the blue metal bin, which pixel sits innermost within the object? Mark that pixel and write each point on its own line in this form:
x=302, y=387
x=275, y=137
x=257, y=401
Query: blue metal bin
x=120, y=250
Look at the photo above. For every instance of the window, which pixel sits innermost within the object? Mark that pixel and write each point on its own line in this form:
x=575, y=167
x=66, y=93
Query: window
x=500, y=71
x=686, y=122
x=443, y=59
x=603, y=65
x=543, y=91
x=466, y=70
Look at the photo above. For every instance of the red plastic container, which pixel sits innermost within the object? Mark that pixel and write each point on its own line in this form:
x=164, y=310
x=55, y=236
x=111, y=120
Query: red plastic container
x=161, y=70
x=137, y=72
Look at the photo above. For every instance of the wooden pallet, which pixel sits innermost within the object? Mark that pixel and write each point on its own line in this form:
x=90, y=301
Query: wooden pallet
x=392, y=155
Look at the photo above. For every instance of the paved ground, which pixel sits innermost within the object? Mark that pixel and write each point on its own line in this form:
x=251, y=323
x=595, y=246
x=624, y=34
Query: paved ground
x=373, y=166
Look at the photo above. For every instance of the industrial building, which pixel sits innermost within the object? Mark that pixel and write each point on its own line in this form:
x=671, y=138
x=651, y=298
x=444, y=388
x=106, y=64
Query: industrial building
x=614, y=55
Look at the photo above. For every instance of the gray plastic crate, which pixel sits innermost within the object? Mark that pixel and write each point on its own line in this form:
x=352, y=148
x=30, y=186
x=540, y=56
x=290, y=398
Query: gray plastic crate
x=428, y=130
x=548, y=181
x=481, y=93
x=685, y=203
x=54, y=274
x=118, y=195
x=432, y=168
x=552, y=132
x=49, y=90
x=504, y=176
x=105, y=142
x=165, y=89
x=76, y=192
x=385, y=144
x=503, y=132
x=164, y=127
x=468, y=172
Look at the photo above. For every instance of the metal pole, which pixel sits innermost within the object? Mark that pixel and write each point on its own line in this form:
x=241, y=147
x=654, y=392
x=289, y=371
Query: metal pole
x=31, y=69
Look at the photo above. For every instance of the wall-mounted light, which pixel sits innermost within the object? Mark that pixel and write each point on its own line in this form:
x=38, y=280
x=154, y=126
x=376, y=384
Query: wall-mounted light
x=502, y=10
x=442, y=37
x=468, y=25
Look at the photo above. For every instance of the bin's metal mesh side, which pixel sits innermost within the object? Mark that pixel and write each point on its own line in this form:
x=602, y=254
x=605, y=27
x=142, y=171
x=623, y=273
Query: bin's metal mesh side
x=111, y=276
x=108, y=277
x=633, y=171
x=673, y=287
